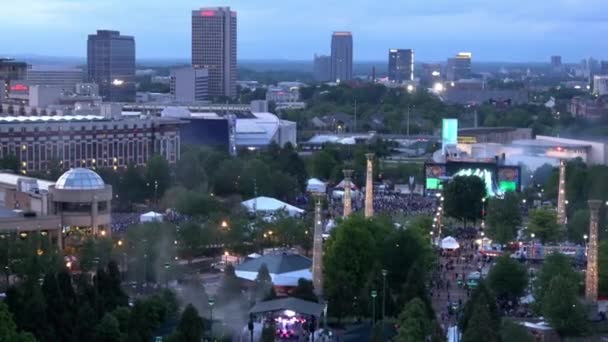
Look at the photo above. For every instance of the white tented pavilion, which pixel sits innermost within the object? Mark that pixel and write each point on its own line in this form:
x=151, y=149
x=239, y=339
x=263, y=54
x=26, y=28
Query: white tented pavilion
x=315, y=185
x=151, y=216
x=449, y=243
x=269, y=206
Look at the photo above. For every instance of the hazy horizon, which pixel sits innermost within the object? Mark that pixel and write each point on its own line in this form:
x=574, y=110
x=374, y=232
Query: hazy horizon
x=504, y=31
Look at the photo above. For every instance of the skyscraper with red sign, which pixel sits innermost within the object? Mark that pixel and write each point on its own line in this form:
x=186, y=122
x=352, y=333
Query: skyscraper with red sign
x=214, y=48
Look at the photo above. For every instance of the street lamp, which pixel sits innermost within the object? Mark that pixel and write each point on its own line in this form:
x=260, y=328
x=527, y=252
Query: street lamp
x=224, y=224
x=167, y=265
x=374, y=295
x=211, y=301
x=384, y=273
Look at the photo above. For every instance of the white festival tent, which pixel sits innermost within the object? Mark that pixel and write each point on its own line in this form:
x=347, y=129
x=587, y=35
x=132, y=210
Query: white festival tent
x=270, y=205
x=151, y=217
x=343, y=183
x=315, y=185
x=449, y=243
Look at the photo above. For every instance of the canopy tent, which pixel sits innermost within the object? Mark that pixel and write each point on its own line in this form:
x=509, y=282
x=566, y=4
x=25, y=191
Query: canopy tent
x=342, y=183
x=270, y=205
x=315, y=185
x=449, y=243
x=300, y=306
x=151, y=217
x=284, y=269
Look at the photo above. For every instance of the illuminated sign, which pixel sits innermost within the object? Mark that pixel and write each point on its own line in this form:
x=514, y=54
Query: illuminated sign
x=449, y=133
x=19, y=87
x=467, y=140
x=207, y=13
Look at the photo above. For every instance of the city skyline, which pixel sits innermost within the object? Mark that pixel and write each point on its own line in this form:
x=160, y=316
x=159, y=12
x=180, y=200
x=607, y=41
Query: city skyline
x=516, y=31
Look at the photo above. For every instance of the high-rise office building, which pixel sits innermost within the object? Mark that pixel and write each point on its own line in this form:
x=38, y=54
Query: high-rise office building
x=189, y=84
x=322, y=68
x=556, y=61
x=111, y=64
x=401, y=65
x=604, y=67
x=10, y=70
x=341, y=56
x=214, y=48
x=459, y=67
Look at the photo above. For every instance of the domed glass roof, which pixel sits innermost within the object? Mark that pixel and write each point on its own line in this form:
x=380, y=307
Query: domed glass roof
x=79, y=179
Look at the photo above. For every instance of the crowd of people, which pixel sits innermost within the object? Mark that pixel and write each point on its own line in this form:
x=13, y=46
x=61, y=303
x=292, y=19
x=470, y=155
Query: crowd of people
x=393, y=202
x=120, y=221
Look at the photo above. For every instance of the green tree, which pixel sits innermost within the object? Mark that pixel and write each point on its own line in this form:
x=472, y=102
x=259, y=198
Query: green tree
x=264, y=288
x=480, y=325
x=8, y=328
x=481, y=297
x=555, y=264
x=230, y=287
x=190, y=170
x=503, y=217
x=463, y=198
x=578, y=226
x=158, y=176
x=108, y=329
x=511, y=331
x=227, y=177
x=603, y=268
x=508, y=278
x=95, y=252
x=561, y=307
x=322, y=165
x=348, y=258
x=413, y=322
x=543, y=223
x=305, y=290
x=190, y=327
x=132, y=186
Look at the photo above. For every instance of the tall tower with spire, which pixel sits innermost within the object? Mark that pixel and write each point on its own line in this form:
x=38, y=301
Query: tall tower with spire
x=317, y=249
x=591, y=280
x=561, y=195
x=347, y=197
x=369, y=186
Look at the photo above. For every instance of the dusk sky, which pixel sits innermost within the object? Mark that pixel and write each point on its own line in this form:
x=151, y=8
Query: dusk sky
x=493, y=30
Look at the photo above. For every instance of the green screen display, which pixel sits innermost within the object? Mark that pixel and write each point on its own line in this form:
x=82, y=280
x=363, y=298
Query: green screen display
x=508, y=186
x=433, y=183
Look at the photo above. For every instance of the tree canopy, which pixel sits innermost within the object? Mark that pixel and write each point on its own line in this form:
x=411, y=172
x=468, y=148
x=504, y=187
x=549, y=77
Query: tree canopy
x=463, y=198
x=508, y=278
x=503, y=218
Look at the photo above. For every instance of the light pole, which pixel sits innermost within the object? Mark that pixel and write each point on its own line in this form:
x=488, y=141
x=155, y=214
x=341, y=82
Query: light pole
x=211, y=302
x=374, y=295
x=384, y=273
x=167, y=265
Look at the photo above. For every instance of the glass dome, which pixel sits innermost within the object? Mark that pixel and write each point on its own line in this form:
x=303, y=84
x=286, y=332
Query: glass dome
x=79, y=179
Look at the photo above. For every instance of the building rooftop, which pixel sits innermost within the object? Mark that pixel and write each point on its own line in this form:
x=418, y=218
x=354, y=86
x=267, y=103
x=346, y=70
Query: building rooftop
x=548, y=143
x=54, y=118
x=12, y=180
x=80, y=179
x=277, y=263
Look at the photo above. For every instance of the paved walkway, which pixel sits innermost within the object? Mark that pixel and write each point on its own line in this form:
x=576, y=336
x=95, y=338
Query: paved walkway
x=445, y=291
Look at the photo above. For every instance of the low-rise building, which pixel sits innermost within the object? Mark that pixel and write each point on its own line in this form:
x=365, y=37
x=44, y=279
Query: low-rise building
x=589, y=108
x=600, y=85
x=92, y=141
x=66, y=211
